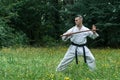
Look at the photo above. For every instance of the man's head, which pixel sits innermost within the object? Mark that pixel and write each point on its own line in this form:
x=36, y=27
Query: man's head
x=78, y=20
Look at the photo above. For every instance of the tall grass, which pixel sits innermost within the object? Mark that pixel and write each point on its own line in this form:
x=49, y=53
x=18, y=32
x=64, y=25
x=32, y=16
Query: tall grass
x=40, y=63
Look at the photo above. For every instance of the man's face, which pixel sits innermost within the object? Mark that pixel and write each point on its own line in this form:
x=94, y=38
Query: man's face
x=78, y=20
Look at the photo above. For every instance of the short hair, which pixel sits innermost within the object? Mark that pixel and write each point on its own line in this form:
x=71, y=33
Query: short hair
x=79, y=16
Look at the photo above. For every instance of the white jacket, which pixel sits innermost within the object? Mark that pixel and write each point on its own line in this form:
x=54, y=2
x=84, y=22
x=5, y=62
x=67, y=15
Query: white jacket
x=79, y=38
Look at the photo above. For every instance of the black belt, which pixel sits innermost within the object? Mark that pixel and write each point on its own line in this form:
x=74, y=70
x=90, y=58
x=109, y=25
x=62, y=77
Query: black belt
x=77, y=45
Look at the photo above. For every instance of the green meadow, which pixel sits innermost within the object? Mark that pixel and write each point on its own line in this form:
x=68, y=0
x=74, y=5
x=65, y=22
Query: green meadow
x=32, y=63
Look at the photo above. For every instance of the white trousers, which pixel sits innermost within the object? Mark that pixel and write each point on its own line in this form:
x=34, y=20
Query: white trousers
x=70, y=54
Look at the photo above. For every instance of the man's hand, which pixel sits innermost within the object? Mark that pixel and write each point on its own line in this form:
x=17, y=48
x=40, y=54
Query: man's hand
x=93, y=28
x=67, y=35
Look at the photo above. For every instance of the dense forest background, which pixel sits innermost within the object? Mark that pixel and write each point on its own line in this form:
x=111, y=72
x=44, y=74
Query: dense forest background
x=41, y=22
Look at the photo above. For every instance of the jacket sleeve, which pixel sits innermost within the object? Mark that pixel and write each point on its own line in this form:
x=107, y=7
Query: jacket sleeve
x=65, y=38
x=93, y=35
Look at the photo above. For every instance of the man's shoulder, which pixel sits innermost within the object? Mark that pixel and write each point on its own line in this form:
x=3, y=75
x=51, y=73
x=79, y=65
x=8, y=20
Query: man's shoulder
x=85, y=28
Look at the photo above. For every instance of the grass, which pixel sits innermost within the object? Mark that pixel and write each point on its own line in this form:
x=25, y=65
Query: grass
x=40, y=63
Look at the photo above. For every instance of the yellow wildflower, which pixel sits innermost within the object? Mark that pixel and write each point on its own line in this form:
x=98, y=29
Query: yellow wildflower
x=66, y=78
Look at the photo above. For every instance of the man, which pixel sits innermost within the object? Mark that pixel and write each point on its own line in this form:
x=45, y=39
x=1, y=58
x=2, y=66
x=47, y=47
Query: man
x=78, y=46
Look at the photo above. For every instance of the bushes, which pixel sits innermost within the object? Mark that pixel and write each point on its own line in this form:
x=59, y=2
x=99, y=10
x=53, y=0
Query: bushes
x=10, y=37
x=110, y=34
x=42, y=21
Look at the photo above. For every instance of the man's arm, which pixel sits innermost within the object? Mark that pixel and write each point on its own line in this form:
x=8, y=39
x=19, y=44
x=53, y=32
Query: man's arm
x=93, y=34
x=69, y=34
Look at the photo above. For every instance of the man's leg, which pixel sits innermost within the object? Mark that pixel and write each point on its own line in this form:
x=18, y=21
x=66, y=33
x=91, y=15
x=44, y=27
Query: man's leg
x=91, y=63
x=90, y=60
x=65, y=61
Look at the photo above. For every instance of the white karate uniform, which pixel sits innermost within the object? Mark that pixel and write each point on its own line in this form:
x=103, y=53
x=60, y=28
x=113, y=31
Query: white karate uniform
x=79, y=38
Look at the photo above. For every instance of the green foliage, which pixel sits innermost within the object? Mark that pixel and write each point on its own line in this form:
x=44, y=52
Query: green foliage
x=40, y=18
x=110, y=34
x=36, y=19
x=48, y=41
x=9, y=37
